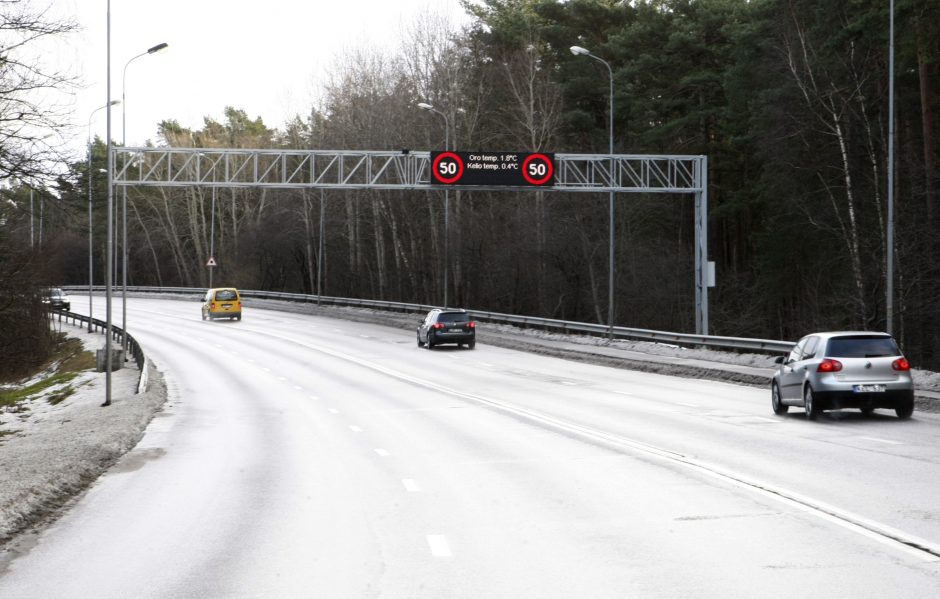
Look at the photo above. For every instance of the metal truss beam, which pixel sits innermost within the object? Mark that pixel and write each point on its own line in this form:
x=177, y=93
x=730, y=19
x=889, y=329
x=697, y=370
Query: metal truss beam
x=404, y=170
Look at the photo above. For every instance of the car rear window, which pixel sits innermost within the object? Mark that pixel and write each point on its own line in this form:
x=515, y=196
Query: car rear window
x=225, y=294
x=445, y=317
x=862, y=347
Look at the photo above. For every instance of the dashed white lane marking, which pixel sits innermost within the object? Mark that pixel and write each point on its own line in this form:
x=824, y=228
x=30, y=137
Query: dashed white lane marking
x=688, y=405
x=487, y=364
x=266, y=369
x=439, y=546
x=569, y=383
x=927, y=550
x=382, y=452
x=765, y=419
x=298, y=387
x=314, y=397
x=886, y=441
x=410, y=485
x=628, y=394
x=355, y=429
x=333, y=411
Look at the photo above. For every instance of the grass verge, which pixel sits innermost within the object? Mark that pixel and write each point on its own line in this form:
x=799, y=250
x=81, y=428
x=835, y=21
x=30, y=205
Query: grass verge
x=69, y=359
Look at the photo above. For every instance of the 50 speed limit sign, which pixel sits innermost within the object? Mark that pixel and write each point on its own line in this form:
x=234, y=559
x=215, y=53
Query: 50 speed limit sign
x=511, y=169
x=448, y=167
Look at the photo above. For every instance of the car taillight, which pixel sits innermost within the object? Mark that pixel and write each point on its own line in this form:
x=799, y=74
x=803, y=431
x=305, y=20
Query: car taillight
x=829, y=365
x=901, y=364
x=438, y=325
x=472, y=324
x=212, y=306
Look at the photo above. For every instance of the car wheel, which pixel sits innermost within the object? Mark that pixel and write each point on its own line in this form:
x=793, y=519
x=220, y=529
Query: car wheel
x=867, y=411
x=905, y=410
x=428, y=343
x=472, y=343
x=420, y=343
x=779, y=407
x=809, y=403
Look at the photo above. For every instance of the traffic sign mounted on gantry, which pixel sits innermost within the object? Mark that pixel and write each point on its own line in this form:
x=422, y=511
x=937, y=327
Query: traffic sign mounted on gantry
x=511, y=169
x=416, y=170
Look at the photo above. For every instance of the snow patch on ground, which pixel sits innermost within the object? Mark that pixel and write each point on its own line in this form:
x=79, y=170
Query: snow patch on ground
x=48, y=453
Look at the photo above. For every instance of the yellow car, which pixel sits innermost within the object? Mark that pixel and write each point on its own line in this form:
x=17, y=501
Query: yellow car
x=224, y=302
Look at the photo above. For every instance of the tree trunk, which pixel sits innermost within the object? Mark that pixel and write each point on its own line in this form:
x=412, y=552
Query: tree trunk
x=927, y=101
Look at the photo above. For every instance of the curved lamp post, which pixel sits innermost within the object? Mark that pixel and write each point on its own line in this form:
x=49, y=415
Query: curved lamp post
x=152, y=50
x=428, y=107
x=579, y=51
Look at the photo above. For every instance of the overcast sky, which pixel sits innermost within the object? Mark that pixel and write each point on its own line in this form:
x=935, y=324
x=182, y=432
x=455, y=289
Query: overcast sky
x=265, y=57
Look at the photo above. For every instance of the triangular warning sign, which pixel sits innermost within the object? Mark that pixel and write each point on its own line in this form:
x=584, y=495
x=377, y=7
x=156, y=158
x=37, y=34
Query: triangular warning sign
x=211, y=261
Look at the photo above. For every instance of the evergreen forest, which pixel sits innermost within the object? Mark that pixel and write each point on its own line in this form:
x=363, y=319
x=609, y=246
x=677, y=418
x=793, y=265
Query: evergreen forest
x=788, y=99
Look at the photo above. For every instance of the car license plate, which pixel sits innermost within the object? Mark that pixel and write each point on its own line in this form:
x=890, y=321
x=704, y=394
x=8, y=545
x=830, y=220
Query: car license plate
x=869, y=388
x=226, y=306
x=456, y=330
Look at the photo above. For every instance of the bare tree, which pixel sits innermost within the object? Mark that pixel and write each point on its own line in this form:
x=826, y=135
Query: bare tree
x=29, y=111
x=28, y=114
x=830, y=101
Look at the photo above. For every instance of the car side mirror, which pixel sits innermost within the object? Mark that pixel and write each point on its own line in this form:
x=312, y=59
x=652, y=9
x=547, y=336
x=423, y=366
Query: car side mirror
x=780, y=359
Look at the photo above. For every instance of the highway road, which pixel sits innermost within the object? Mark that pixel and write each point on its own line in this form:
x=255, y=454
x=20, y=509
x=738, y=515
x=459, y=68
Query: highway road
x=302, y=456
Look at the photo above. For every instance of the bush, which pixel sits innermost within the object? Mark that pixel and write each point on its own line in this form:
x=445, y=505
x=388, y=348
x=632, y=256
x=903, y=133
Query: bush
x=26, y=338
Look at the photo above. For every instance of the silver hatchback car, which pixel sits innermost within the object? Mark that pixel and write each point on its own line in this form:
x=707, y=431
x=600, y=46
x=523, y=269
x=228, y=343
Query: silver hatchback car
x=849, y=369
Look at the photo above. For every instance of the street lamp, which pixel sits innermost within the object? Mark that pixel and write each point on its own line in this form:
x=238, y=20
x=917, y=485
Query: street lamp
x=889, y=259
x=90, y=240
x=152, y=50
x=428, y=107
x=579, y=51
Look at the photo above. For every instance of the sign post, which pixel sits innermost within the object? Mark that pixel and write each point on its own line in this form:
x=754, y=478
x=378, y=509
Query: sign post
x=211, y=264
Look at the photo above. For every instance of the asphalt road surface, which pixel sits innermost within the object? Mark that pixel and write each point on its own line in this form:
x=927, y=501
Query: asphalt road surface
x=300, y=456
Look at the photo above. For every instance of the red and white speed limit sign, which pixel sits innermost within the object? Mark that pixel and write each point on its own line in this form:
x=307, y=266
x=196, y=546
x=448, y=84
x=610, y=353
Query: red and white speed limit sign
x=537, y=169
x=492, y=169
x=447, y=168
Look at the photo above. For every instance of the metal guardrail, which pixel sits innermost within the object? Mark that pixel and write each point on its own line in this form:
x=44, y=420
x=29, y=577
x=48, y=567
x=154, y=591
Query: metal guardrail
x=117, y=334
x=565, y=326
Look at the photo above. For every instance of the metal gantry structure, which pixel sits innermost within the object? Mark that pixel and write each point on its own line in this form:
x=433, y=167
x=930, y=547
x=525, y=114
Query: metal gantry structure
x=411, y=170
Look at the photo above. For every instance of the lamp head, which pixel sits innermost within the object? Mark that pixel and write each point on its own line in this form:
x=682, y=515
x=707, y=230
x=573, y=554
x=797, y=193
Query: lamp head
x=425, y=106
x=157, y=48
x=579, y=51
